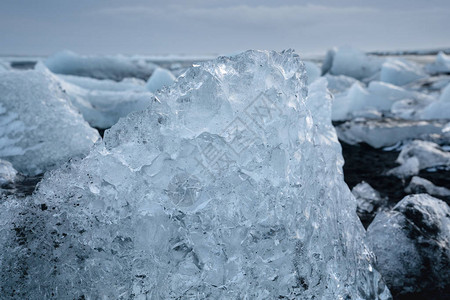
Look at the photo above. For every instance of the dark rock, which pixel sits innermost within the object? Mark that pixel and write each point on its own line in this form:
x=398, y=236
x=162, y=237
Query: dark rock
x=368, y=202
x=412, y=245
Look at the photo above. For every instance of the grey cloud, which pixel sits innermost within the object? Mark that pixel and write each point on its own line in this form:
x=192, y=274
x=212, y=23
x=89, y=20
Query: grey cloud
x=201, y=26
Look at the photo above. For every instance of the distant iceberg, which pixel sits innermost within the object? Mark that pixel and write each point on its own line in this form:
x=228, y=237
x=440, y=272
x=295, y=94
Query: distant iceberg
x=400, y=71
x=440, y=65
x=100, y=67
x=160, y=78
x=102, y=102
x=351, y=62
x=439, y=109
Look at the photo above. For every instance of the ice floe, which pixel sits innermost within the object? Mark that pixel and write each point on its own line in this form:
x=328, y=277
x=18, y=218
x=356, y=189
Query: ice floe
x=351, y=62
x=388, y=132
x=229, y=185
x=39, y=128
x=419, y=155
x=100, y=67
x=420, y=185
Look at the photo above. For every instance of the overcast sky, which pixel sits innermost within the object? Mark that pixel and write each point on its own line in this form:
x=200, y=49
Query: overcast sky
x=41, y=27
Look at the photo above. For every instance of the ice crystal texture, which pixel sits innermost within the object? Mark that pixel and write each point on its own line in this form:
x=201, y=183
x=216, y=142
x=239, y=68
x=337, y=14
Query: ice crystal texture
x=229, y=186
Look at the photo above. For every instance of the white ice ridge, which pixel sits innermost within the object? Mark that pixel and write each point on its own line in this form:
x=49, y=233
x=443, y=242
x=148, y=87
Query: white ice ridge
x=160, y=78
x=4, y=66
x=400, y=71
x=440, y=65
x=419, y=155
x=100, y=67
x=39, y=128
x=421, y=185
x=7, y=173
x=229, y=186
x=312, y=71
x=439, y=109
x=351, y=62
x=389, y=132
x=102, y=102
x=380, y=97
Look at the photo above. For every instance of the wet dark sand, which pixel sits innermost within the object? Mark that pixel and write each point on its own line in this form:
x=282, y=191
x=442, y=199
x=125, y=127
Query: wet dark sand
x=364, y=163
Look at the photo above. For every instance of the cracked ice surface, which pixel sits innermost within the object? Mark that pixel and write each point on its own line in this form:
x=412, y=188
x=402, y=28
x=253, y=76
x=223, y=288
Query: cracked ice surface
x=228, y=186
